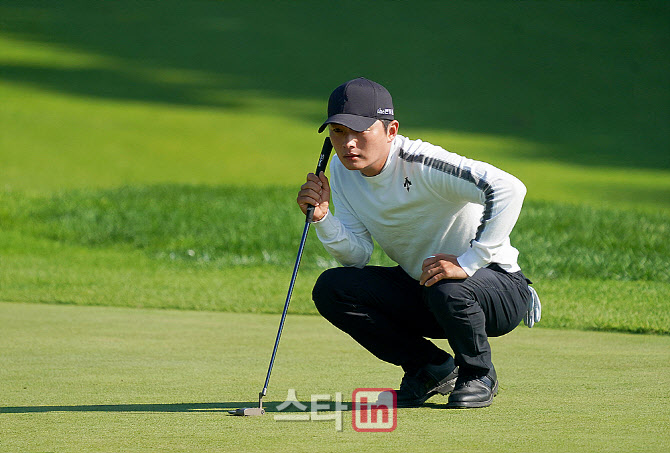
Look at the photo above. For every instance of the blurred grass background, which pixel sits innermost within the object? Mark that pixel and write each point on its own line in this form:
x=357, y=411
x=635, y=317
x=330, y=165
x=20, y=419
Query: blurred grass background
x=150, y=151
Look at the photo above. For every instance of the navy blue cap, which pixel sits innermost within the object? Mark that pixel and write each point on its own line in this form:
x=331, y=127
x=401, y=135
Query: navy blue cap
x=358, y=103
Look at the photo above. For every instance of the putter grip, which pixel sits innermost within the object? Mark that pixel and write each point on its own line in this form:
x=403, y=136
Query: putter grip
x=321, y=166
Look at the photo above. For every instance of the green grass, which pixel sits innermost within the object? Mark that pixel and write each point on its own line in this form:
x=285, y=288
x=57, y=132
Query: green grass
x=93, y=97
x=107, y=144
x=200, y=247
x=92, y=379
x=587, y=76
x=149, y=157
x=66, y=274
x=228, y=226
x=151, y=173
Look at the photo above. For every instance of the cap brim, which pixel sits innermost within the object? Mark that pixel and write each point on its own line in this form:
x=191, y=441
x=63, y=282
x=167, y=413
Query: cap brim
x=354, y=122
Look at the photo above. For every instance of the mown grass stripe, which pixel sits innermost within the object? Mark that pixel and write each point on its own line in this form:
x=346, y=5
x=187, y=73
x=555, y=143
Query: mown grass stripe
x=219, y=226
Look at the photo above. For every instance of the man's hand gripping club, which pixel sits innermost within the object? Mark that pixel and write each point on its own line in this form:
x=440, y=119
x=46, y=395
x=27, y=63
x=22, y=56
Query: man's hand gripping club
x=315, y=192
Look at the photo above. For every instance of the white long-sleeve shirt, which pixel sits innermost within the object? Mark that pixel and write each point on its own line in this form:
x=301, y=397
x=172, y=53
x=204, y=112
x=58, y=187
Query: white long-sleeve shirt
x=425, y=200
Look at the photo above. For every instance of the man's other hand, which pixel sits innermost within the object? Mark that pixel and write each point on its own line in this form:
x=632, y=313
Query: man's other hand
x=439, y=267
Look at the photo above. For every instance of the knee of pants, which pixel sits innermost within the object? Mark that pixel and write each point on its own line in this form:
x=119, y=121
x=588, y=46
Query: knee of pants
x=326, y=289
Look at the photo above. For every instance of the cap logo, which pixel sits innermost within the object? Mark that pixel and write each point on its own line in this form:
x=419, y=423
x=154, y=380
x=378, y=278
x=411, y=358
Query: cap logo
x=381, y=111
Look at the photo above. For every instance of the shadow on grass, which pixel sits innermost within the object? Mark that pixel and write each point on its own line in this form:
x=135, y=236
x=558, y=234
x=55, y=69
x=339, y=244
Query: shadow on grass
x=223, y=407
x=530, y=70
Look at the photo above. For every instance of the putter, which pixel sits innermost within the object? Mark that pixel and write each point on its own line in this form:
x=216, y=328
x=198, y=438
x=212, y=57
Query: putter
x=321, y=166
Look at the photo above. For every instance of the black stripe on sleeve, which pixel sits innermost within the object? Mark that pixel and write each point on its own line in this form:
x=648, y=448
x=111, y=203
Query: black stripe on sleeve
x=461, y=173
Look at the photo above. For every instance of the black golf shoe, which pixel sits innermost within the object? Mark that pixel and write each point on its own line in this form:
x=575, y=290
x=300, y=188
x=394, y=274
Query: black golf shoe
x=471, y=391
x=429, y=380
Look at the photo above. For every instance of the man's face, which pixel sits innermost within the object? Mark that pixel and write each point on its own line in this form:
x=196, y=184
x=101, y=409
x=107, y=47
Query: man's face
x=365, y=151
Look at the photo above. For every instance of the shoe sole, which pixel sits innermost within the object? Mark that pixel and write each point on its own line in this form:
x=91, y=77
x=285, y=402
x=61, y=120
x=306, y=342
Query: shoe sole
x=444, y=387
x=473, y=404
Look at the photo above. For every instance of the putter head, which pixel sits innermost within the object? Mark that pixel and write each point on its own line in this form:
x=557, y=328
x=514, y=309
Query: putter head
x=248, y=411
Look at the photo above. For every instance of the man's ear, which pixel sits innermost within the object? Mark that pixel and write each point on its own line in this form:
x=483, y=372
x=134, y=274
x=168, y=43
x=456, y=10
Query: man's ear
x=392, y=130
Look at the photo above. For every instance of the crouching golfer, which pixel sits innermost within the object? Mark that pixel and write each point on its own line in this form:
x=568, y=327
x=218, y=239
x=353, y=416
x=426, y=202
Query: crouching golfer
x=446, y=221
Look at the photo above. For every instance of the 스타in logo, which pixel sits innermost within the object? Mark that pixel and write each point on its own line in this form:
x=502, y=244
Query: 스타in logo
x=374, y=410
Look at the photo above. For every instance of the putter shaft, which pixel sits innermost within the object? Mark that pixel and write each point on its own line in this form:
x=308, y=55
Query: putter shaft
x=283, y=315
x=321, y=166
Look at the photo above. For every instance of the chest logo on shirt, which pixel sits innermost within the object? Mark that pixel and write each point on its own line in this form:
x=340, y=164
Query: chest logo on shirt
x=407, y=183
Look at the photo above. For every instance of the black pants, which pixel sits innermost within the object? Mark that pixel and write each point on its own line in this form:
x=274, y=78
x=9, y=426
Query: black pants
x=391, y=315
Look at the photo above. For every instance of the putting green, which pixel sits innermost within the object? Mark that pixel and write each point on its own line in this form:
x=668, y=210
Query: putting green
x=117, y=379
